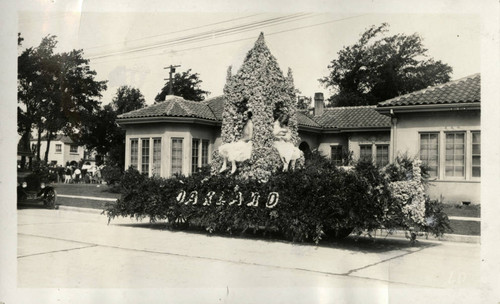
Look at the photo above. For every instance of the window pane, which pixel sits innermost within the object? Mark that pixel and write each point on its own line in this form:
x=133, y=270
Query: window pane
x=455, y=157
x=365, y=152
x=134, y=153
x=145, y=156
x=476, y=154
x=204, y=152
x=176, y=155
x=429, y=152
x=382, y=155
x=195, y=150
x=156, y=170
x=336, y=154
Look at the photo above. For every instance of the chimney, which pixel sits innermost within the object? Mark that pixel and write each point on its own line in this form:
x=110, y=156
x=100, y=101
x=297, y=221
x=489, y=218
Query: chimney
x=319, y=104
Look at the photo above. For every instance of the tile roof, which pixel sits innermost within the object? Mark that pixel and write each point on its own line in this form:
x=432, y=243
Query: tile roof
x=211, y=109
x=173, y=106
x=307, y=120
x=216, y=104
x=353, y=117
x=464, y=90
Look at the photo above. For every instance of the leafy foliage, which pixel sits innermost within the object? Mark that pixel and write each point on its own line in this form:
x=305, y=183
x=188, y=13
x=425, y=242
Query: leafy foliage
x=379, y=68
x=56, y=92
x=313, y=201
x=127, y=99
x=103, y=134
x=185, y=85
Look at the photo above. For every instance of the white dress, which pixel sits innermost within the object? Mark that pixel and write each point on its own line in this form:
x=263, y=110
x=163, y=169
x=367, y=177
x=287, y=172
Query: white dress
x=240, y=150
x=286, y=149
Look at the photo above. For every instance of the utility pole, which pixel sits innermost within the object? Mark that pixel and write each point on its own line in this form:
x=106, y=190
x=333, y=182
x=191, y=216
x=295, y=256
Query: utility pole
x=172, y=70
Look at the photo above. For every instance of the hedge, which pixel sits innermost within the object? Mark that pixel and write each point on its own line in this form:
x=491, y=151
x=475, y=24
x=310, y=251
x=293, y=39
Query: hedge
x=303, y=205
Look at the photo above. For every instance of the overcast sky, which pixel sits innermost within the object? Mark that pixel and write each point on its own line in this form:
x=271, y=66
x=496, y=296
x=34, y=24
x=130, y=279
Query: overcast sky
x=132, y=45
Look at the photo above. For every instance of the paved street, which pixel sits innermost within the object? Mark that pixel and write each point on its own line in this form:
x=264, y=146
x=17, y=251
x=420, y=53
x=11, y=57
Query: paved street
x=67, y=249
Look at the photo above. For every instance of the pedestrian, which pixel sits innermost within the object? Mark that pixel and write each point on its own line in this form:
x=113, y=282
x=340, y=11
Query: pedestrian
x=67, y=175
x=77, y=174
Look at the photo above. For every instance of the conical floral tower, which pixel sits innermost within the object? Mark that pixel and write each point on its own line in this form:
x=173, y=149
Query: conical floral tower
x=260, y=87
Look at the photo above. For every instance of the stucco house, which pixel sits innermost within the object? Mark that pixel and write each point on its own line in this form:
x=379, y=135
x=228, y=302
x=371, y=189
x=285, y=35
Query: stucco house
x=62, y=150
x=179, y=136
x=442, y=125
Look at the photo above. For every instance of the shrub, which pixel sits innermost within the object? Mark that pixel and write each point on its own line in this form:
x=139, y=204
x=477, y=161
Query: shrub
x=111, y=174
x=302, y=205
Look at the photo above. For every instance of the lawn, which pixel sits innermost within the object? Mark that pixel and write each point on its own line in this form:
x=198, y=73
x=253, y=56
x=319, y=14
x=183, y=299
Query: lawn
x=92, y=190
x=462, y=210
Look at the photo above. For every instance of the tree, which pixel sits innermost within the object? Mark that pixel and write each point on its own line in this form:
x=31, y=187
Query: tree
x=379, y=68
x=127, y=99
x=185, y=85
x=56, y=92
x=304, y=102
x=103, y=134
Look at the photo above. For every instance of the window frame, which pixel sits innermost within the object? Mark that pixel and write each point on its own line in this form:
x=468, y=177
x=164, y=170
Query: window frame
x=73, y=151
x=156, y=157
x=472, y=166
x=145, y=155
x=438, y=153
x=371, y=152
x=464, y=156
x=136, y=166
x=377, y=162
x=205, y=159
x=172, y=168
x=58, y=148
x=338, y=152
x=195, y=154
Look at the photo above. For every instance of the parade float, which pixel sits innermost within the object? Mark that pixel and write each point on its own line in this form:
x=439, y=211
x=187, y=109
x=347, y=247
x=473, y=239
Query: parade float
x=259, y=180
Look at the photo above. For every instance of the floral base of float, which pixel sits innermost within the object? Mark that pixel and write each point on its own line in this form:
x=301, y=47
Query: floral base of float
x=236, y=198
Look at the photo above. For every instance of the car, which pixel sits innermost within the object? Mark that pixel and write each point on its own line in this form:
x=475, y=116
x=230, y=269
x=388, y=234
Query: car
x=35, y=188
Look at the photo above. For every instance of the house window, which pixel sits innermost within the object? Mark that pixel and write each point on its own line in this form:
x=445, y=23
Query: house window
x=195, y=154
x=73, y=149
x=204, y=152
x=476, y=154
x=58, y=148
x=429, y=152
x=176, y=155
x=382, y=155
x=455, y=155
x=156, y=157
x=134, y=152
x=336, y=154
x=365, y=152
x=145, y=156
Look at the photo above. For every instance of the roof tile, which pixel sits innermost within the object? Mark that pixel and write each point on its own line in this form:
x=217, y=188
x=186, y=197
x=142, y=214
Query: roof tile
x=464, y=90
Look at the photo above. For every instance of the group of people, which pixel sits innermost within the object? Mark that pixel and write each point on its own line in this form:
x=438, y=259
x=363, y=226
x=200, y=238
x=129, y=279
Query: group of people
x=85, y=174
x=241, y=149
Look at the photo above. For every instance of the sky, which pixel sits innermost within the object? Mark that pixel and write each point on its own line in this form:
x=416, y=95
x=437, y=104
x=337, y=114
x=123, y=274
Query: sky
x=132, y=45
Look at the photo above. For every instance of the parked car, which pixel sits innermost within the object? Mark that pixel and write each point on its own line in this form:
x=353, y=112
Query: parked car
x=33, y=187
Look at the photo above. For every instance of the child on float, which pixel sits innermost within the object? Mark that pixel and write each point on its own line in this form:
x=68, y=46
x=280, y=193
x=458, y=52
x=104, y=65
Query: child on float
x=240, y=150
x=283, y=137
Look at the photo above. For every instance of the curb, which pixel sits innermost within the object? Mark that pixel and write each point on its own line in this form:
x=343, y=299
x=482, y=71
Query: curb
x=79, y=209
x=459, y=238
x=380, y=233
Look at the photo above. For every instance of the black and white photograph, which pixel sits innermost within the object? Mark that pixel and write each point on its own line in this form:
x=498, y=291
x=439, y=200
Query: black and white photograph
x=266, y=152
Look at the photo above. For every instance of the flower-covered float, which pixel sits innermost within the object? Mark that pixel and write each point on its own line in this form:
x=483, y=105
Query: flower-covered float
x=259, y=179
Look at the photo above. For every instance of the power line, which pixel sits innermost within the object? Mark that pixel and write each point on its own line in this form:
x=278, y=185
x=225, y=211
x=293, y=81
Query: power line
x=206, y=35
x=174, y=32
x=238, y=40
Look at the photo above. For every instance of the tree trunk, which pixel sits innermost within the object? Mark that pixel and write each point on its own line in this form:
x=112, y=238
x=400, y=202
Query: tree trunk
x=49, y=137
x=39, y=140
